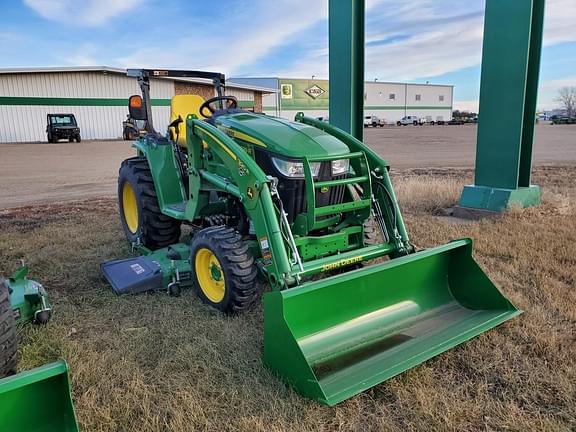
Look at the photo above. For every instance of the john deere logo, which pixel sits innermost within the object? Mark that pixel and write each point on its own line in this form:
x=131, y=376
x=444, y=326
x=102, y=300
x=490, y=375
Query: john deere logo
x=324, y=189
x=286, y=91
x=314, y=91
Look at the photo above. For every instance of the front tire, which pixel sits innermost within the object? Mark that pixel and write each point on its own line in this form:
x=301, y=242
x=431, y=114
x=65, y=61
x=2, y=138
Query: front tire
x=140, y=213
x=8, y=336
x=224, y=272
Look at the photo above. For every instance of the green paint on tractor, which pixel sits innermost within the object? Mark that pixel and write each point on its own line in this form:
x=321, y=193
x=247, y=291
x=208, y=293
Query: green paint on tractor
x=293, y=201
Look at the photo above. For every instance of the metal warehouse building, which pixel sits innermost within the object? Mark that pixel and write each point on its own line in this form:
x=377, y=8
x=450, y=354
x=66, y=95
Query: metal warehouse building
x=387, y=100
x=97, y=96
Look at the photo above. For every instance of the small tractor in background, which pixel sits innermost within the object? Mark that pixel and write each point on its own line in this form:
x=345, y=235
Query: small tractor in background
x=132, y=128
x=292, y=201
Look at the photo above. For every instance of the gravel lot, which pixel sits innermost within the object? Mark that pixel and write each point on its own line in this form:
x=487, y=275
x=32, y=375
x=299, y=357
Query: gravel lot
x=35, y=173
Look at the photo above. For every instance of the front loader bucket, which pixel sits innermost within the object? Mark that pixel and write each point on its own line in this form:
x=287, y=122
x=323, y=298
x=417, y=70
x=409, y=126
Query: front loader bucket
x=38, y=400
x=339, y=336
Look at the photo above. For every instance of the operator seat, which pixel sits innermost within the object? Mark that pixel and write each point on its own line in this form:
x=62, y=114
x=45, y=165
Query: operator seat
x=183, y=105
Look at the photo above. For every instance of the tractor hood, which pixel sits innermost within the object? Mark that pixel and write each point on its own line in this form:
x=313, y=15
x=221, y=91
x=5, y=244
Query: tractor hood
x=280, y=136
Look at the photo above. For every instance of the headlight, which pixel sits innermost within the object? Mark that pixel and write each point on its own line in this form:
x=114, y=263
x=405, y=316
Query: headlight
x=340, y=166
x=295, y=169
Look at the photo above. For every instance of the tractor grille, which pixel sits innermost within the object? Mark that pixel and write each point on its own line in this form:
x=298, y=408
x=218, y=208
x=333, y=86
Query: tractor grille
x=293, y=193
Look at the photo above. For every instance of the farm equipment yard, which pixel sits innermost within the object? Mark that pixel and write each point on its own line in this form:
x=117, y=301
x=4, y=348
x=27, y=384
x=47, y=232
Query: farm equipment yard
x=355, y=247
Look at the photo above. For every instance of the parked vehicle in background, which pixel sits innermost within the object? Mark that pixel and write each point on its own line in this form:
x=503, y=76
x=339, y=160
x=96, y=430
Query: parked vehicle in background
x=373, y=121
x=428, y=120
x=456, y=121
x=410, y=120
x=132, y=128
x=556, y=120
x=62, y=126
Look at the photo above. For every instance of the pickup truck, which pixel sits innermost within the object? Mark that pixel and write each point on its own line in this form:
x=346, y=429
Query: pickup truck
x=410, y=120
x=373, y=121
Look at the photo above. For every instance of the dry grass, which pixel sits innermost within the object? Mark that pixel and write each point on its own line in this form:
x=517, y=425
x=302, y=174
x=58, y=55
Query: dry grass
x=154, y=363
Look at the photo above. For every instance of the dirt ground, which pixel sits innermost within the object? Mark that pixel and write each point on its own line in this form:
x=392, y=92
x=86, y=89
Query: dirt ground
x=158, y=363
x=35, y=173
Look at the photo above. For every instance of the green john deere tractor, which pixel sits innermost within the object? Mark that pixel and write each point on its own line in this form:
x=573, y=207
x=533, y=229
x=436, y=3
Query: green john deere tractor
x=45, y=390
x=291, y=200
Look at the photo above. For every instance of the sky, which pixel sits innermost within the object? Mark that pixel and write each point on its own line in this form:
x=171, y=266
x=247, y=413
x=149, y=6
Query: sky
x=439, y=41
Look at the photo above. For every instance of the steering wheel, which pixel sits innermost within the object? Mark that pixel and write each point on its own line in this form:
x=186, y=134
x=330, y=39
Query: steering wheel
x=207, y=104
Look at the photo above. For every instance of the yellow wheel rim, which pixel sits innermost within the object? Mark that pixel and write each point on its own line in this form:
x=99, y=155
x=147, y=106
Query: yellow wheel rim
x=130, y=207
x=210, y=275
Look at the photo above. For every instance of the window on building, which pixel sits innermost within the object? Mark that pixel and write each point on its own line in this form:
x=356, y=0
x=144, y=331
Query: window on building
x=392, y=96
x=441, y=98
x=418, y=97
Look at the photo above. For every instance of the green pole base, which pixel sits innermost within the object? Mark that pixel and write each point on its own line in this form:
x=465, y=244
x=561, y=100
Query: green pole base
x=498, y=199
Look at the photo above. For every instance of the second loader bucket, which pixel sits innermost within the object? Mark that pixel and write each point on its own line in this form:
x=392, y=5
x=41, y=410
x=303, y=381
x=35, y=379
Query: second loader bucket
x=339, y=336
x=37, y=400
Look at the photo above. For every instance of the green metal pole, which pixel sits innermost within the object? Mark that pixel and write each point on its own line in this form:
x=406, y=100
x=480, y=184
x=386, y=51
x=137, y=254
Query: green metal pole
x=346, y=57
x=508, y=91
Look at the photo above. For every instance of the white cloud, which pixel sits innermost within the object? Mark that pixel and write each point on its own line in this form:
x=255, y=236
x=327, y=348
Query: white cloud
x=81, y=12
x=433, y=38
x=560, y=21
x=240, y=39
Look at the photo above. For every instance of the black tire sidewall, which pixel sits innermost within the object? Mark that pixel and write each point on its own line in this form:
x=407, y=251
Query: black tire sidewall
x=9, y=350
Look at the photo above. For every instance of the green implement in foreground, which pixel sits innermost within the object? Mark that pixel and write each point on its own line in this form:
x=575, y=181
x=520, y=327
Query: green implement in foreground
x=38, y=400
x=293, y=201
x=336, y=337
x=28, y=298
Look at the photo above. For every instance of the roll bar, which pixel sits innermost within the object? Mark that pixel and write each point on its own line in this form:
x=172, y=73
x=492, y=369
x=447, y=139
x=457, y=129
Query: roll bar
x=143, y=76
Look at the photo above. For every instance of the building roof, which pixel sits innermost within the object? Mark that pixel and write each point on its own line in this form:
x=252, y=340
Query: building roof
x=108, y=69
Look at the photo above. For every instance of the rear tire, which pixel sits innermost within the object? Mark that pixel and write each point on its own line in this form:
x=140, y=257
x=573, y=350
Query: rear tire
x=8, y=336
x=140, y=213
x=224, y=272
